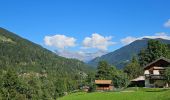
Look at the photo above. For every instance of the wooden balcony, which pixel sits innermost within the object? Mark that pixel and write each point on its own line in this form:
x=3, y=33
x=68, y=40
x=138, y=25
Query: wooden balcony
x=156, y=77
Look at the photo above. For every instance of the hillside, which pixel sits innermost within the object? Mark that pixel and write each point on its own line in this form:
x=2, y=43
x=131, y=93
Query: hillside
x=25, y=56
x=121, y=56
x=16, y=51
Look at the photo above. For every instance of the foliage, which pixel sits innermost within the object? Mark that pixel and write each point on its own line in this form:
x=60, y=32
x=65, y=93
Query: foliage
x=169, y=50
x=12, y=88
x=167, y=74
x=43, y=73
x=133, y=69
x=103, y=71
x=92, y=88
x=107, y=72
x=154, y=50
x=120, y=79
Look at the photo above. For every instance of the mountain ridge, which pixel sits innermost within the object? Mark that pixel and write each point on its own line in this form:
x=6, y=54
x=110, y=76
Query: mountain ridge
x=121, y=56
x=24, y=55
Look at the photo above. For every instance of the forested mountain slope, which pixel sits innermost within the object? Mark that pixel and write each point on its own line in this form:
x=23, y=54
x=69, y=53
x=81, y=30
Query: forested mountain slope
x=123, y=55
x=18, y=52
x=28, y=58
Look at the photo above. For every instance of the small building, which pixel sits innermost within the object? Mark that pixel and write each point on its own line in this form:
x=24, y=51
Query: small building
x=139, y=82
x=104, y=85
x=154, y=73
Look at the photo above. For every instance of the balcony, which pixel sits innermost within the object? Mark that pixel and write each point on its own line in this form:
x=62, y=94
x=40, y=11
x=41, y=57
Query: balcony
x=153, y=76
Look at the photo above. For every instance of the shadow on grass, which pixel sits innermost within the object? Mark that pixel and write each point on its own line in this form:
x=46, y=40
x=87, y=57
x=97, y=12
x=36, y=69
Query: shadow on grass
x=156, y=90
x=147, y=89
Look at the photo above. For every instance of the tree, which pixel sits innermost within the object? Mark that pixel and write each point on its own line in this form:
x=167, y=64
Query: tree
x=12, y=88
x=119, y=78
x=143, y=57
x=169, y=50
x=103, y=70
x=154, y=50
x=89, y=81
x=90, y=77
x=133, y=69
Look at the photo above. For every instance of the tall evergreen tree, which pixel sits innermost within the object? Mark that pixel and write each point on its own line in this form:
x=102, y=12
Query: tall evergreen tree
x=154, y=50
x=103, y=70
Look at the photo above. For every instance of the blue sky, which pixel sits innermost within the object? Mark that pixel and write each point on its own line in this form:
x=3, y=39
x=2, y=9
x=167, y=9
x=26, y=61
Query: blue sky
x=36, y=19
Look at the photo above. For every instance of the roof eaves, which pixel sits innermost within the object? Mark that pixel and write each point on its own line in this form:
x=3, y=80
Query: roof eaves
x=163, y=58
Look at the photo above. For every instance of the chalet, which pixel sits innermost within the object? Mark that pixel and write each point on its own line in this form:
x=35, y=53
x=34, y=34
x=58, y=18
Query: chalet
x=103, y=85
x=154, y=73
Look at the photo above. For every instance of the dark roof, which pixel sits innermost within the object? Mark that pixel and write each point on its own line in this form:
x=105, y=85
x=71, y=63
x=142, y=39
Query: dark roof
x=161, y=58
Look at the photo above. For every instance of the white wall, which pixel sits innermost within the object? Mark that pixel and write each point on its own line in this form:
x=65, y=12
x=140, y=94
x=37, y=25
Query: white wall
x=146, y=72
x=156, y=72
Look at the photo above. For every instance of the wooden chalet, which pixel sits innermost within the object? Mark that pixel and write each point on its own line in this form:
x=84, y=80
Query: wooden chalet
x=104, y=85
x=154, y=73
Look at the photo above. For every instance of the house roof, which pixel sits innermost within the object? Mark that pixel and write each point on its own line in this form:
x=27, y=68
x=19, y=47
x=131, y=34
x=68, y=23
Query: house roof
x=152, y=63
x=103, y=81
x=140, y=78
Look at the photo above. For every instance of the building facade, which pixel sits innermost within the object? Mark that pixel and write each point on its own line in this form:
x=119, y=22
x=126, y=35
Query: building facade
x=154, y=73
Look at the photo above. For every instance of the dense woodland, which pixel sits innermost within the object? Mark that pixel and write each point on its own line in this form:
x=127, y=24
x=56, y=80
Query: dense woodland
x=33, y=67
x=29, y=71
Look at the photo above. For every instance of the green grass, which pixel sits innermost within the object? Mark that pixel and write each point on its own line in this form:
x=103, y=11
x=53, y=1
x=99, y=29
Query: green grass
x=132, y=94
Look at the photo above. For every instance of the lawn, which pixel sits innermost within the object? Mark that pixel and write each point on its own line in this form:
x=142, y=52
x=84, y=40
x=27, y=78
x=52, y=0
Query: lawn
x=141, y=94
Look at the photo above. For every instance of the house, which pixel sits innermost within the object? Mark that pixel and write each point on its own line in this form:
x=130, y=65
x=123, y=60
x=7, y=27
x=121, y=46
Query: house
x=139, y=82
x=103, y=85
x=154, y=73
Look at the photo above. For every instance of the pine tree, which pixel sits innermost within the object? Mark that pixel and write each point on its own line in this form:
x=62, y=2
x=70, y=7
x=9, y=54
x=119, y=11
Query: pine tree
x=103, y=70
x=154, y=50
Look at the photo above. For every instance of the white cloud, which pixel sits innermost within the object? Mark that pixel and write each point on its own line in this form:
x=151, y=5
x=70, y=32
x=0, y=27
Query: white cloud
x=167, y=24
x=97, y=41
x=59, y=41
x=130, y=39
x=81, y=55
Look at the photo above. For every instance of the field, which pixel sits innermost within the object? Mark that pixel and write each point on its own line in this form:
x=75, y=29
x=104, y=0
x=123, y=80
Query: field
x=141, y=94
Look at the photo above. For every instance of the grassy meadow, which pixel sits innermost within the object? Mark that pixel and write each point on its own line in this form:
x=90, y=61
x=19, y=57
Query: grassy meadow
x=130, y=94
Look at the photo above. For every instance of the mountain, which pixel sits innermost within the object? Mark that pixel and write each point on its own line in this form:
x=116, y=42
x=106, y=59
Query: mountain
x=25, y=56
x=122, y=56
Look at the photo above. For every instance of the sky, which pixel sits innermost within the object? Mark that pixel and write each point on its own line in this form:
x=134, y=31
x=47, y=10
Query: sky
x=85, y=29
